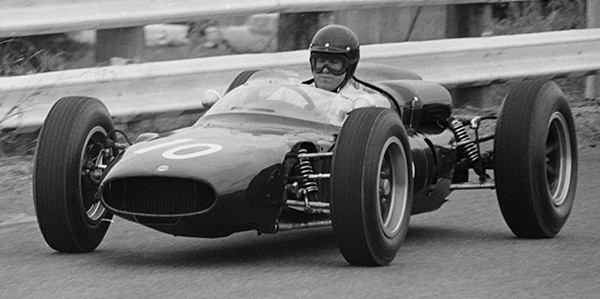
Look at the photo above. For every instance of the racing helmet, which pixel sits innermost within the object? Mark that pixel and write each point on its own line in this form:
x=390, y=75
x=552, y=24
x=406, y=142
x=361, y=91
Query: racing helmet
x=339, y=42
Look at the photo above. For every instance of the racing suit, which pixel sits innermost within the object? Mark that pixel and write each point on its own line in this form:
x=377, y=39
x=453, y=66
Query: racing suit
x=354, y=95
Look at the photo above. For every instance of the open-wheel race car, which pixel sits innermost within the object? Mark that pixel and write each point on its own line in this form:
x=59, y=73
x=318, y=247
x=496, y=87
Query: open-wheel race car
x=268, y=157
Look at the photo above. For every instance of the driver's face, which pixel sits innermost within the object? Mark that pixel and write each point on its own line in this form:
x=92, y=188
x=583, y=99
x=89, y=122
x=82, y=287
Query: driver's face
x=328, y=81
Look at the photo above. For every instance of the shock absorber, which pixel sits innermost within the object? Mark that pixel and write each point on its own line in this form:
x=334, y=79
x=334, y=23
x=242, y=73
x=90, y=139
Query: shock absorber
x=462, y=138
x=310, y=186
x=466, y=145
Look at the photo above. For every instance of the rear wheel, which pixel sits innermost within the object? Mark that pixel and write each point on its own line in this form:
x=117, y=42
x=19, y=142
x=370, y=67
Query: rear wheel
x=535, y=153
x=66, y=176
x=372, y=187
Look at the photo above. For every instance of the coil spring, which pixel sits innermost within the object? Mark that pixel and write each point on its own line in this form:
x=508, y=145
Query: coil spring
x=461, y=136
x=305, y=170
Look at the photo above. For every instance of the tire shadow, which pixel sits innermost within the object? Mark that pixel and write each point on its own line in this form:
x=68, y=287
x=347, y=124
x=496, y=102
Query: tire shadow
x=307, y=247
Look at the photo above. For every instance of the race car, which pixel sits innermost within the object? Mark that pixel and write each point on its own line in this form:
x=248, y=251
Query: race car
x=269, y=156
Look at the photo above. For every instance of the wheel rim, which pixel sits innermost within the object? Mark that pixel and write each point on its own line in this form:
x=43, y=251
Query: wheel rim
x=559, y=164
x=94, y=210
x=392, y=187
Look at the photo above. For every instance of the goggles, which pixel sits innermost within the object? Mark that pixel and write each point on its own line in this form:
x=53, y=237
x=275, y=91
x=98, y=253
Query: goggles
x=335, y=63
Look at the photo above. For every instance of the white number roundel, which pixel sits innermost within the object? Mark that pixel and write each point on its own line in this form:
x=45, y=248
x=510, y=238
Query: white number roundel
x=206, y=149
x=174, y=153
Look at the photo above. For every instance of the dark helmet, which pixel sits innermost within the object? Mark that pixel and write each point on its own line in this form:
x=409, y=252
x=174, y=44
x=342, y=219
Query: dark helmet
x=337, y=40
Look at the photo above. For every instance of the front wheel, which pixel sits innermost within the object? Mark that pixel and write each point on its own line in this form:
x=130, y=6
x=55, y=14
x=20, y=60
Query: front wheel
x=68, y=166
x=372, y=187
x=535, y=153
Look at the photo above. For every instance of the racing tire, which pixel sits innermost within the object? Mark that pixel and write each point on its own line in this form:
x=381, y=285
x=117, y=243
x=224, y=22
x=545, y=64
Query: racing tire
x=371, y=187
x=535, y=153
x=240, y=79
x=69, y=215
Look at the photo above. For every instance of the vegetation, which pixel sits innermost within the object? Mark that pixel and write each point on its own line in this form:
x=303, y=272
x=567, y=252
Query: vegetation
x=37, y=54
x=540, y=16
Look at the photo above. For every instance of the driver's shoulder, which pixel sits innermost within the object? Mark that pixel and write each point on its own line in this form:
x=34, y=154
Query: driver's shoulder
x=359, y=92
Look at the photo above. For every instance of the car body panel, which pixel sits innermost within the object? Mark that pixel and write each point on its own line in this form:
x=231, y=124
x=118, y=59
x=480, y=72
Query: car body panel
x=231, y=172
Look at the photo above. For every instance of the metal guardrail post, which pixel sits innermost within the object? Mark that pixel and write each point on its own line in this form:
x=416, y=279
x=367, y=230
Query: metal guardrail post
x=592, y=84
x=119, y=42
x=470, y=20
x=296, y=30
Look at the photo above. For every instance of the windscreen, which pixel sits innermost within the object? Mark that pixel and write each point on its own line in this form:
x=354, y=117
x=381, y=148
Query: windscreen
x=294, y=101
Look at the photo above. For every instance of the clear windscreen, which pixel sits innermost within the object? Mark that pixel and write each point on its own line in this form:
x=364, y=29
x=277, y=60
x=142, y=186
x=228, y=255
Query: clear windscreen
x=294, y=101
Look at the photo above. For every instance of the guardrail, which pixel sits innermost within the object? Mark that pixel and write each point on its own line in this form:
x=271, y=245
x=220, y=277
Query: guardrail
x=592, y=86
x=176, y=86
x=34, y=17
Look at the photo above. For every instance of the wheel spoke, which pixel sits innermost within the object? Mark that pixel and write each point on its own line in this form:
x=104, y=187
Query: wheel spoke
x=385, y=188
x=89, y=183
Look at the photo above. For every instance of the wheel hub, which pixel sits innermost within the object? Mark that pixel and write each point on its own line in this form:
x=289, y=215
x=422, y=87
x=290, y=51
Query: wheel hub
x=392, y=185
x=90, y=175
x=558, y=159
x=385, y=186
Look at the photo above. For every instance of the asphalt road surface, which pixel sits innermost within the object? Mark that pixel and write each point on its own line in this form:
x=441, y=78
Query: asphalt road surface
x=463, y=250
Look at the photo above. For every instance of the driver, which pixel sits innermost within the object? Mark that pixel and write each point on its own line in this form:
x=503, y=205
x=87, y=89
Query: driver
x=334, y=55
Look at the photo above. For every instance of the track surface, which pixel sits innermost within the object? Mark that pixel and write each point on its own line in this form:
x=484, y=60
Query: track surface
x=464, y=250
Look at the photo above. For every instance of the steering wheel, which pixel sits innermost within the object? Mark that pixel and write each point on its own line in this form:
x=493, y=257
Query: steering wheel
x=310, y=104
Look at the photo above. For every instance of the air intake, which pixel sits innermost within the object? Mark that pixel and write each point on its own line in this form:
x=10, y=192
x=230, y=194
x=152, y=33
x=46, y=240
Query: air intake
x=158, y=196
